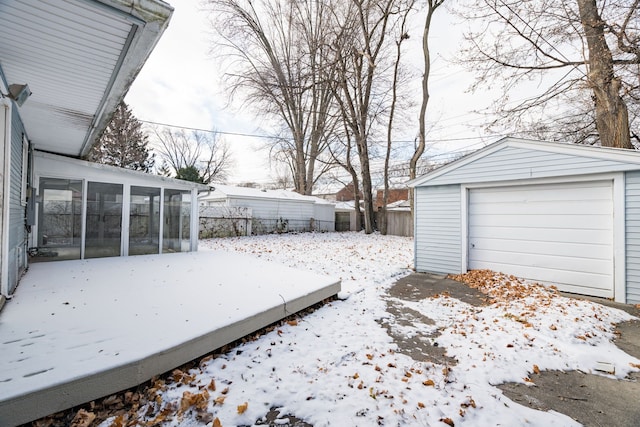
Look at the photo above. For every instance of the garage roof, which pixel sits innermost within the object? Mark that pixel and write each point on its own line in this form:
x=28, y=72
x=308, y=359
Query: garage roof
x=79, y=58
x=514, y=158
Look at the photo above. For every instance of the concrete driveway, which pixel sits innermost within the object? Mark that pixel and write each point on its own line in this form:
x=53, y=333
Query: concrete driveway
x=592, y=400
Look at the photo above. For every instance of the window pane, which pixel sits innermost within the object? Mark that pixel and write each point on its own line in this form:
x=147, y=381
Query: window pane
x=177, y=221
x=144, y=221
x=104, y=220
x=59, y=219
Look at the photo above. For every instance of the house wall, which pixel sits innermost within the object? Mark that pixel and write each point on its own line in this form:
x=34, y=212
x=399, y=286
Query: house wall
x=13, y=234
x=632, y=234
x=438, y=234
x=17, y=254
x=275, y=209
x=511, y=163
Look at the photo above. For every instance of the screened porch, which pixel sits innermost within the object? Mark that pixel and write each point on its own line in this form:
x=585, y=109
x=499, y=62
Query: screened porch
x=86, y=210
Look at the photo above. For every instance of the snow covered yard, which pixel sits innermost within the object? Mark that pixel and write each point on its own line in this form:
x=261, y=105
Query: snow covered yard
x=338, y=366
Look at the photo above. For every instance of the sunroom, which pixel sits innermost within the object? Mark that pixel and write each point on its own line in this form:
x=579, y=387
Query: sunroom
x=87, y=210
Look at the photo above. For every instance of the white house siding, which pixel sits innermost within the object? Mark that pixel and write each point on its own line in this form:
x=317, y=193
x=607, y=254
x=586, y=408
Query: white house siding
x=17, y=259
x=438, y=236
x=276, y=209
x=324, y=216
x=512, y=163
x=632, y=243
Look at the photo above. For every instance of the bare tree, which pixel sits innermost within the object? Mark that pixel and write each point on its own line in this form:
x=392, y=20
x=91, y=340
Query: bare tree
x=362, y=63
x=193, y=155
x=432, y=6
x=276, y=61
x=585, y=53
x=400, y=38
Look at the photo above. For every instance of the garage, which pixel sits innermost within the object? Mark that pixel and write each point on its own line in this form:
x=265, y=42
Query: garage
x=561, y=214
x=556, y=233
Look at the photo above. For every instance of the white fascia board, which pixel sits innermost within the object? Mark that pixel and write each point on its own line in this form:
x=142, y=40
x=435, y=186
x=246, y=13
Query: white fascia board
x=56, y=166
x=621, y=155
x=152, y=19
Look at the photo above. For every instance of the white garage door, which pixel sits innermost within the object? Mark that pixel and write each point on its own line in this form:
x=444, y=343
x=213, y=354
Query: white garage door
x=556, y=233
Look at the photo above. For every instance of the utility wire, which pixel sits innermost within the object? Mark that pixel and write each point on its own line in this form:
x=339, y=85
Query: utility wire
x=253, y=135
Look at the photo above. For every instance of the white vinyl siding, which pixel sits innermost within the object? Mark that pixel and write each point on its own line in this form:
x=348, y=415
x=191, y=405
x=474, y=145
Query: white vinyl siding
x=556, y=233
x=632, y=241
x=275, y=209
x=512, y=163
x=438, y=229
x=17, y=258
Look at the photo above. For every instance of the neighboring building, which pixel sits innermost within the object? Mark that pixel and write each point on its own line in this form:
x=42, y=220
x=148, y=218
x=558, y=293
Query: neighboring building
x=346, y=216
x=347, y=193
x=274, y=210
x=79, y=58
x=395, y=195
x=556, y=213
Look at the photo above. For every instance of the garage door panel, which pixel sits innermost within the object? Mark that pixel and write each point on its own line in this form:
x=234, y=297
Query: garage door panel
x=568, y=281
x=553, y=262
x=550, y=221
x=539, y=207
x=587, y=251
x=561, y=192
x=556, y=233
x=543, y=234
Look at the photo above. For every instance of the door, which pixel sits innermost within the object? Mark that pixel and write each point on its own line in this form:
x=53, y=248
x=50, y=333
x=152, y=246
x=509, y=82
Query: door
x=556, y=233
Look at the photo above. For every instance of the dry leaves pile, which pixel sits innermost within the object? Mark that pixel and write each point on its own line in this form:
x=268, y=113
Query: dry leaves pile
x=503, y=288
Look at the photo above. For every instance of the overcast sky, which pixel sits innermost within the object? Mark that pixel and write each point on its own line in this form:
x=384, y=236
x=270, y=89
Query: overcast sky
x=179, y=85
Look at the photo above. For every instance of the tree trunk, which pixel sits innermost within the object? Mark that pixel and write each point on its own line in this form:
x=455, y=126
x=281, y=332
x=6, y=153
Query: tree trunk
x=367, y=188
x=612, y=117
x=413, y=163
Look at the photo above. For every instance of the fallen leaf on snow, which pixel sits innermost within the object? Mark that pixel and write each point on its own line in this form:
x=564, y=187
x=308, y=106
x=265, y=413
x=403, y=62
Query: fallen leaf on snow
x=242, y=408
x=217, y=423
x=199, y=400
x=448, y=421
x=429, y=383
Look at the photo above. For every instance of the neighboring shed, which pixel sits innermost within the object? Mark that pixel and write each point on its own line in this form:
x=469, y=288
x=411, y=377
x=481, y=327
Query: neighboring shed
x=557, y=213
x=346, y=216
x=275, y=210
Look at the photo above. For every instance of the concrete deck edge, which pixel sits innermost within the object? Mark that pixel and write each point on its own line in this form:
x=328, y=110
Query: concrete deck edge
x=32, y=406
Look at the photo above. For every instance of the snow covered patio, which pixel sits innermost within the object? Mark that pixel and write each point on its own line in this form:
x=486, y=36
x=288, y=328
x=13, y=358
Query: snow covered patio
x=79, y=330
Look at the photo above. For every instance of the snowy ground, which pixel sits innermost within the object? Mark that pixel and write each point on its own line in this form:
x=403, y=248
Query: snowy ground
x=338, y=366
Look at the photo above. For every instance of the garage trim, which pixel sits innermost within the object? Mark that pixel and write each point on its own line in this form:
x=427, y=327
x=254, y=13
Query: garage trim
x=619, y=264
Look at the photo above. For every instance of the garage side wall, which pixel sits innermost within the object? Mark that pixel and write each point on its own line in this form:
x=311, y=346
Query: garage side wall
x=632, y=225
x=438, y=233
